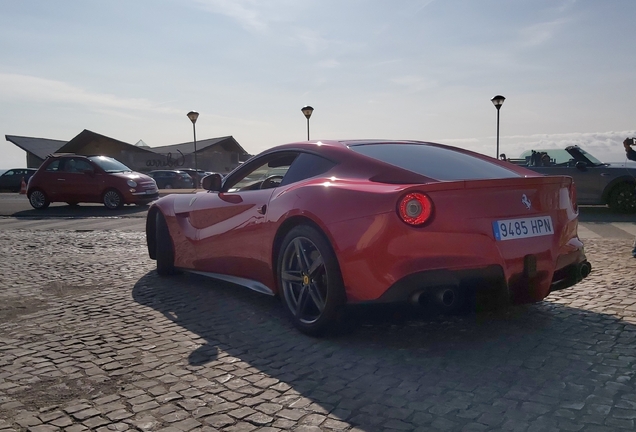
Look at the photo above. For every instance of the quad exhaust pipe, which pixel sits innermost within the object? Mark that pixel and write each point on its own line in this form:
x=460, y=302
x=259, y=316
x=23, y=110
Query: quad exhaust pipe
x=447, y=297
x=584, y=269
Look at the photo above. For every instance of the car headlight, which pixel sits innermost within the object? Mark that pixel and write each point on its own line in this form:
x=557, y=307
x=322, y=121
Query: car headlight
x=132, y=183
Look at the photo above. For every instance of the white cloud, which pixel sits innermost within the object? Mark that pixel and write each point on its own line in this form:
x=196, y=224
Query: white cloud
x=605, y=146
x=252, y=15
x=329, y=64
x=414, y=83
x=311, y=40
x=26, y=88
x=541, y=33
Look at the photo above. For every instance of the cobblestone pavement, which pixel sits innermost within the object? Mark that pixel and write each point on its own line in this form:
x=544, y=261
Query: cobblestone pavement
x=92, y=339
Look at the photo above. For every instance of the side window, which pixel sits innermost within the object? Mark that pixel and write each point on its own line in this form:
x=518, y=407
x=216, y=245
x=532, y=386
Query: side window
x=83, y=165
x=10, y=172
x=305, y=166
x=54, y=166
x=264, y=176
x=75, y=165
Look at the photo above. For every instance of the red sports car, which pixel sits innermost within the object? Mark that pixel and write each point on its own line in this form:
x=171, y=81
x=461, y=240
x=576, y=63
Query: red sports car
x=322, y=224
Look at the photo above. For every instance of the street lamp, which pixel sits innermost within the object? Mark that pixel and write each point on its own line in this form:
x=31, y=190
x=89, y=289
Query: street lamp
x=307, y=110
x=193, y=116
x=498, y=101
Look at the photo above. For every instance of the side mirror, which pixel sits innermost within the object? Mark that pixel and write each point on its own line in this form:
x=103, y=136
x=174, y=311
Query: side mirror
x=212, y=182
x=89, y=171
x=580, y=165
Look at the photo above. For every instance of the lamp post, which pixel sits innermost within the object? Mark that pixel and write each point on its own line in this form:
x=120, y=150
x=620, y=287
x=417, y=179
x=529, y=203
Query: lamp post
x=498, y=101
x=307, y=110
x=193, y=116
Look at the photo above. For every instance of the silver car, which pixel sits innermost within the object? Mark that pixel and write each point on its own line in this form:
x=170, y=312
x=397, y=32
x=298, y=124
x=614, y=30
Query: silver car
x=596, y=182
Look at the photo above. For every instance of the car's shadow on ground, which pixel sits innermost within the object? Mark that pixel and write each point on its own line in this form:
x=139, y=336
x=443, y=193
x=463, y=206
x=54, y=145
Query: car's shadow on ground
x=82, y=211
x=546, y=353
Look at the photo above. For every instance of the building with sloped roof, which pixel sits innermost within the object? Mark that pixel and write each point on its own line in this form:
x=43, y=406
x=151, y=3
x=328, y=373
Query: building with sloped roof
x=215, y=154
x=37, y=149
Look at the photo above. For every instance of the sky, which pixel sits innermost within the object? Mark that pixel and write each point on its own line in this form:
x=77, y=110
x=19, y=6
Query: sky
x=400, y=69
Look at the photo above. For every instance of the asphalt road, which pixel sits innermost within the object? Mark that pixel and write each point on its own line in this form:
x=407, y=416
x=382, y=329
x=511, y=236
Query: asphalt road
x=17, y=213
x=16, y=205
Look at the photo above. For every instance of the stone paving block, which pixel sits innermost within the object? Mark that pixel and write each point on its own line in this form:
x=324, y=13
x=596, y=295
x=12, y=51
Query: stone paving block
x=43, y=428
x=219, y=420
x=61, y=421
x=145, y=406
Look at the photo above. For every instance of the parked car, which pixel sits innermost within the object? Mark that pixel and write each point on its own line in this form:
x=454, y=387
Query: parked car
x=12, y=179
x=196, y=175
x=172, y=179
x=76, y=179
x=330, y=223
x=596, y=182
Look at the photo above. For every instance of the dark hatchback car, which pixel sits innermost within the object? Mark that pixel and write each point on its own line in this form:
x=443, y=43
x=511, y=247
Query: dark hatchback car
x=74, y=179
x=172, y=179
x=596, y=182
x=11, y=180
x=197, y=175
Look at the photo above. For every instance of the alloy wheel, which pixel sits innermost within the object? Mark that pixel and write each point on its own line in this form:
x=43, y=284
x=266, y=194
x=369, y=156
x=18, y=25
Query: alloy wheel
x=37, y=199
x=112, y=199
x=304, y=280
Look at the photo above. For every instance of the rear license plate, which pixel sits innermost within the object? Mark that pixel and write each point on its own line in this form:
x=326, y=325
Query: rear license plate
x=511, y=229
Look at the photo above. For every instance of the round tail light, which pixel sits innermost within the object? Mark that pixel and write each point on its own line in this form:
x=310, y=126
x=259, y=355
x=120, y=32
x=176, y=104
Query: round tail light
x=415, y=208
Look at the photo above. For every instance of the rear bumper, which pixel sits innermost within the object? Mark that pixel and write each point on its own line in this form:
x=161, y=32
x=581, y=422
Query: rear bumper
x=528, y=285
x=570, y=275
x=425, y=283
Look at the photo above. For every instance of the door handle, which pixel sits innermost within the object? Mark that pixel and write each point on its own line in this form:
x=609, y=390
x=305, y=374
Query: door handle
x=262, y=209
x=604, y=174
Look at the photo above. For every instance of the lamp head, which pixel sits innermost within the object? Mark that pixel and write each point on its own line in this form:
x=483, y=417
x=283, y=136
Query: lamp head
x=307, y=110
x=498, y=101
x=193, y=116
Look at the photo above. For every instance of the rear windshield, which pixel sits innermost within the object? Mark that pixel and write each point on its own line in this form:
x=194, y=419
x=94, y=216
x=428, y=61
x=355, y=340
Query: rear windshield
x=435, y=162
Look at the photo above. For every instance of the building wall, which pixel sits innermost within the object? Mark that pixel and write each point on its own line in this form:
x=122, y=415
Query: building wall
x=212, y=159
x=133, y=157
x=33, y=161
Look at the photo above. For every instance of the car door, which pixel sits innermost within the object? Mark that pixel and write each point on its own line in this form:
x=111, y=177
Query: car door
x=77, y=181
x=233, y=233
x=20, y=175
x=570, y=162
x=7, y=180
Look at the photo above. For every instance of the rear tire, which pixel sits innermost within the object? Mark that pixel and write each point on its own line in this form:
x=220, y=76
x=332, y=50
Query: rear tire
x=38, y=199
x=310, y=282
x=164, y=247
x=622, y=198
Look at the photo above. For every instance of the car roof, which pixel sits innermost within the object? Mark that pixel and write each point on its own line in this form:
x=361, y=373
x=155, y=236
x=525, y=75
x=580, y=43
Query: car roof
x=340, y=148
x=155, y=171
x=341, y=151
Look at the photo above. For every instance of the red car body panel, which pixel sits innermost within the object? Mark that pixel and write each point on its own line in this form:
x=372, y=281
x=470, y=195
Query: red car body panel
x=234, y=233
